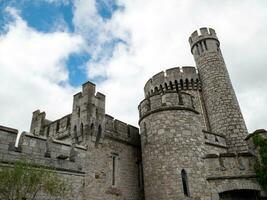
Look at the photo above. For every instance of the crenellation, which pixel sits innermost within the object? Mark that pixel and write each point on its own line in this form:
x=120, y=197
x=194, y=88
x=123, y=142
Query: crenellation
x=174, y=79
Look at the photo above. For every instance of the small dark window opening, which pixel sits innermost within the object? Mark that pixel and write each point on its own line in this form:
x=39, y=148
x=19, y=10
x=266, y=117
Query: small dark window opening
x=187, y=84
x=81, y=130
x=205, y=45
x=201, y=47
x=114, y=160
x=171, y=85
x=57, y=128
x=48, y=130
x=161, y=88
x=92, y=129
x=176, y=86
x=75, y=134
x=198, y=53
x=78, y=111
x=185, y=183
x=182, y=84
x=192, y=84
x=166, y=86
x=218, y=46
x=98, y=136
x=68, y=121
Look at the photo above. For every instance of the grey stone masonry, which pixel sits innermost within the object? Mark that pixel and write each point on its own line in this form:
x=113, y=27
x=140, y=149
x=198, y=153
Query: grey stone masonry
x=220, y=100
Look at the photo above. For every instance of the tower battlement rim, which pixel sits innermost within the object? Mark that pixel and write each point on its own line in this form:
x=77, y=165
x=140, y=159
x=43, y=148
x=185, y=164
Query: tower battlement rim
x=204, y=33
x=170, y=76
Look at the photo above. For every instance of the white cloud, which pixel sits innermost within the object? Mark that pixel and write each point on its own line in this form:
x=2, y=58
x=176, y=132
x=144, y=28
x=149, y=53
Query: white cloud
x=33, y=73
x=157, y=36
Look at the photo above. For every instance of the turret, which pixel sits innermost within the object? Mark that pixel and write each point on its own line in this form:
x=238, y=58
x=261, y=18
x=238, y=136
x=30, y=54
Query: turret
x=171, y=136
x=88, y=115
x=223, y=112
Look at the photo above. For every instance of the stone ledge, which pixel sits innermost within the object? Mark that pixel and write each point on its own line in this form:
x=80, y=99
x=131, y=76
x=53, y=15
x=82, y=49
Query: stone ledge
x=166, y=109
x=8, y=129
x=59, y=169
x=231, y=177
x=121, y=140
x=216, y=145
x=212, y=133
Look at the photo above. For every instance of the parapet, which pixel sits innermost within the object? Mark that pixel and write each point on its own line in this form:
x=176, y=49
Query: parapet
x=174, y=79
x=229, y=166
x=205, y=34
x=41, y=150
x=121, y=131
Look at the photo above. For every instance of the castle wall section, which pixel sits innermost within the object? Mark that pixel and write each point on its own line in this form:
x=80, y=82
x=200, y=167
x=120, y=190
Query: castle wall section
x=54, y=155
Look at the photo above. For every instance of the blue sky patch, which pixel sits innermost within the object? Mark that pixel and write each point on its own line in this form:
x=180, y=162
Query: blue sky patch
x=76, y=65
x=106, y=8
x=48, y=17
x=40, y=15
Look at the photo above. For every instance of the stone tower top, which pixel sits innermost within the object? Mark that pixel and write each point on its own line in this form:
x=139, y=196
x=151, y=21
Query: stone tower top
x=177, y=78
x=205, y=33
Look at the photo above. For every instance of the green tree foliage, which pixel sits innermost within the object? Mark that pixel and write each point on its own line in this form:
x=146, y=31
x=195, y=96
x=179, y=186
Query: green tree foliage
x=24, y=181
x=261, y=165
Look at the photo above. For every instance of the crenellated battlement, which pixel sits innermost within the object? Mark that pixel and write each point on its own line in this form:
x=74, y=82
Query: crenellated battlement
x=41, y=150
x=173, y=79
x=229, y=165
x=169, y=100
x=119, y=130
x=205, y=33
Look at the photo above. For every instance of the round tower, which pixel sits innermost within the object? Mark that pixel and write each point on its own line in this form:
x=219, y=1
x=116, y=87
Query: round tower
x=222, y=107
x=171, y=136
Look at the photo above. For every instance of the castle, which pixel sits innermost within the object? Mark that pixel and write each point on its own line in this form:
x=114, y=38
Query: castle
x=193, y=141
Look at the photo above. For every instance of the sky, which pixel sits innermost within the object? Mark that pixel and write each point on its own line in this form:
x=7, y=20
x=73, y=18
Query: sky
x=49, y=48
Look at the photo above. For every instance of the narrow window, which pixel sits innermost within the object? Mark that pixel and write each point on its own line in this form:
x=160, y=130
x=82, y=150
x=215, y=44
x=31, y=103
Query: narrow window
x=68, y=121
x=198, y=53
x=57, y=126
x=98, y=136
x=185, y=183
x=92, y=129
x=166, y=86
x=81, y=130
x=201, y=47
x=186, y=84
x=78, y=111
x=176, y=86
x=181, y=84
x=75, y=134
x=171, y=85
x=161, y=88
x=205, y=44
x=114, y=165
x=218, y=47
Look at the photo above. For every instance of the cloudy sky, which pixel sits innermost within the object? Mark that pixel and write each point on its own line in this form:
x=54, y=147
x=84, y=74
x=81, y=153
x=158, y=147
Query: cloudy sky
x=48, y=48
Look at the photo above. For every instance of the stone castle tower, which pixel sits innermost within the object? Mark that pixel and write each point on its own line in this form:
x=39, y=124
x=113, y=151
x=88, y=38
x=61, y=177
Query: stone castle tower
x=187, y=114
x=192, y=145
x=223, y=112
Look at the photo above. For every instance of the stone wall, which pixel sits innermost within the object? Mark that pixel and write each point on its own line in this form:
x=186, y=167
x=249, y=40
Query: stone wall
x=88, y=169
